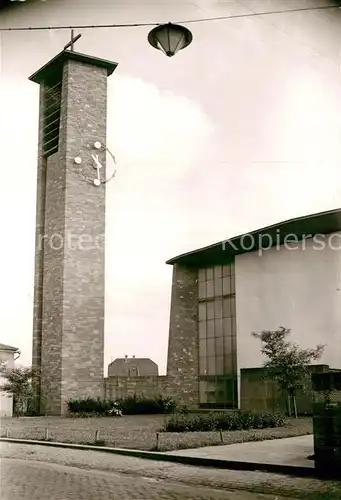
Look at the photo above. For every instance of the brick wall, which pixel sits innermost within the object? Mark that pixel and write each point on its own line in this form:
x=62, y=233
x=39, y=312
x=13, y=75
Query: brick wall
x=39, y=255
x=84, y=103
x=153, y=386
x=183, y=344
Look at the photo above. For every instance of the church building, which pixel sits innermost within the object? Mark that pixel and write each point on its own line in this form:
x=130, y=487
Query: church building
x=288, y=274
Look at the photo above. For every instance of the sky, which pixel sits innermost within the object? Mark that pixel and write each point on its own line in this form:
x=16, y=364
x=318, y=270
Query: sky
x=238, y=131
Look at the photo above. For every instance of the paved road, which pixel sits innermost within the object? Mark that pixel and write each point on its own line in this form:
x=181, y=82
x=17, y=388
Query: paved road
x=28, y=480
x=41, y=472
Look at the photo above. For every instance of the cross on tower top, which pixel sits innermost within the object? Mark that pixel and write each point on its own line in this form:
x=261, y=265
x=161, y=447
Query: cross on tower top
x=72, y=41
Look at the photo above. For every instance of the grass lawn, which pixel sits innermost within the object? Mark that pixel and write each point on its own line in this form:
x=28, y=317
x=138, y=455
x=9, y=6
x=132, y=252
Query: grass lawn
x=138, y=431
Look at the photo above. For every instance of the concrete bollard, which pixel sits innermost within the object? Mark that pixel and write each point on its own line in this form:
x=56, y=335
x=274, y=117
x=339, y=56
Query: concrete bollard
x=97, y=436
x=46, y=434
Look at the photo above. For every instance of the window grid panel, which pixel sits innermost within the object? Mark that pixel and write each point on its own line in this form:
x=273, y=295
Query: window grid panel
x=220, y=366
x=202, y=291
x=202, y=330
x=233, y=307
x=226, y=270
x=228, y=364
x=227, y=307
x=202, y=311
x=202, y=348
x=203, y=365
x=210, y=289
x=211, y=347
x=202, y=275
x=227, y=347
x=218, y=287
x=227, y=327
x=218, y=328
x=210, y=309
x=211, y=365
x=234, y=326
x=218, y=308
x=219, y=346
x=227, y=289
x=218, y=272
x=210, y=328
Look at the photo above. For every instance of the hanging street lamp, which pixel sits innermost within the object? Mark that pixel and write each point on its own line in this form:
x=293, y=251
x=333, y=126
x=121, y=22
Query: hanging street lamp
x=170, y=38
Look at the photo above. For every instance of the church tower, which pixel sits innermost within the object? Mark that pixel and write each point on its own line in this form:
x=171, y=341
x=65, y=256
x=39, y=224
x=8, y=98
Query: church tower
x=69, y=289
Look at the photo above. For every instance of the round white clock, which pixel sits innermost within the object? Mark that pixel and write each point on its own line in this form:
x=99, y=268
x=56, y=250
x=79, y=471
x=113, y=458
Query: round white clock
x=95, y=160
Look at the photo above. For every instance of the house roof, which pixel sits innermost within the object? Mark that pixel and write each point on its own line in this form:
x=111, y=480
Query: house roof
x=53, y=69
x=224, y=251
x=124, y=361
x=4, y=347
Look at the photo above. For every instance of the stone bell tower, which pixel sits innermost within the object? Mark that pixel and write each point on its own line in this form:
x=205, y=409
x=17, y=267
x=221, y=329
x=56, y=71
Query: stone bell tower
x=68, y=330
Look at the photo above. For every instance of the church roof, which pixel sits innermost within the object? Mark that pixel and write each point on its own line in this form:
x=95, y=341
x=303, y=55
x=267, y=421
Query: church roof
x=224, y=251
x=4, y=347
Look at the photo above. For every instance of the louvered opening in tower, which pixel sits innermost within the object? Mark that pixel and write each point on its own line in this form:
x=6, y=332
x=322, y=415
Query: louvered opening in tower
x=52, y=104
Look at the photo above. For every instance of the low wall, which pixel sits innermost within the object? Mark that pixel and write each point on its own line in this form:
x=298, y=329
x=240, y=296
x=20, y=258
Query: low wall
x=185, y=390
x=259, y=394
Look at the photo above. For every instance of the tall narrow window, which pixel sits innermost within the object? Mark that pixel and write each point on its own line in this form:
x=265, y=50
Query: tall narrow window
x=52, y=104
x=217, y=336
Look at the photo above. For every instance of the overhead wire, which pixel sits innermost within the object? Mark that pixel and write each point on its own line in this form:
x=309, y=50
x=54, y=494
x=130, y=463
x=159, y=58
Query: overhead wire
x=188, y=21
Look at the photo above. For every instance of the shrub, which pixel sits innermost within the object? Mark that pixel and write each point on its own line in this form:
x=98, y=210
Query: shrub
x=140, y=405
x=227, y=421
x=93, y=407
x=133, y=405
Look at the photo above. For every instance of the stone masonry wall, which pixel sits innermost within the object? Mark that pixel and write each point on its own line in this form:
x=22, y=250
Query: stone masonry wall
x=52, y=317
x=183, y=344
x=84, y=105
x=152, y=386
x=39, y=255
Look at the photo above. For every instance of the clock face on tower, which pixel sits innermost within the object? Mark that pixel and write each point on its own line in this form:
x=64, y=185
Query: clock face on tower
x=91, y=167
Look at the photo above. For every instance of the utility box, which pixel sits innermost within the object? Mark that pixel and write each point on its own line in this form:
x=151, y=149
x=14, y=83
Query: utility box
x=327, y=423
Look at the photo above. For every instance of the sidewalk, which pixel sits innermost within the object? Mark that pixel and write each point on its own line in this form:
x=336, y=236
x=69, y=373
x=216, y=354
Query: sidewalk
x=287, y=452
x=279, y=456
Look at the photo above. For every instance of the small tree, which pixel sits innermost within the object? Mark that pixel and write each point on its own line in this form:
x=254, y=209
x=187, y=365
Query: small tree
x=19, y=384
x=286, y=363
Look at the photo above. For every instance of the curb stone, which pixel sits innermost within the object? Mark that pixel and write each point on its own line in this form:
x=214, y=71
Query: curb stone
x=298, y=471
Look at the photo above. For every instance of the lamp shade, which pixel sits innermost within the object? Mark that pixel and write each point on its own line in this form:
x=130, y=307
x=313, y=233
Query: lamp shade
x=170, y=38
